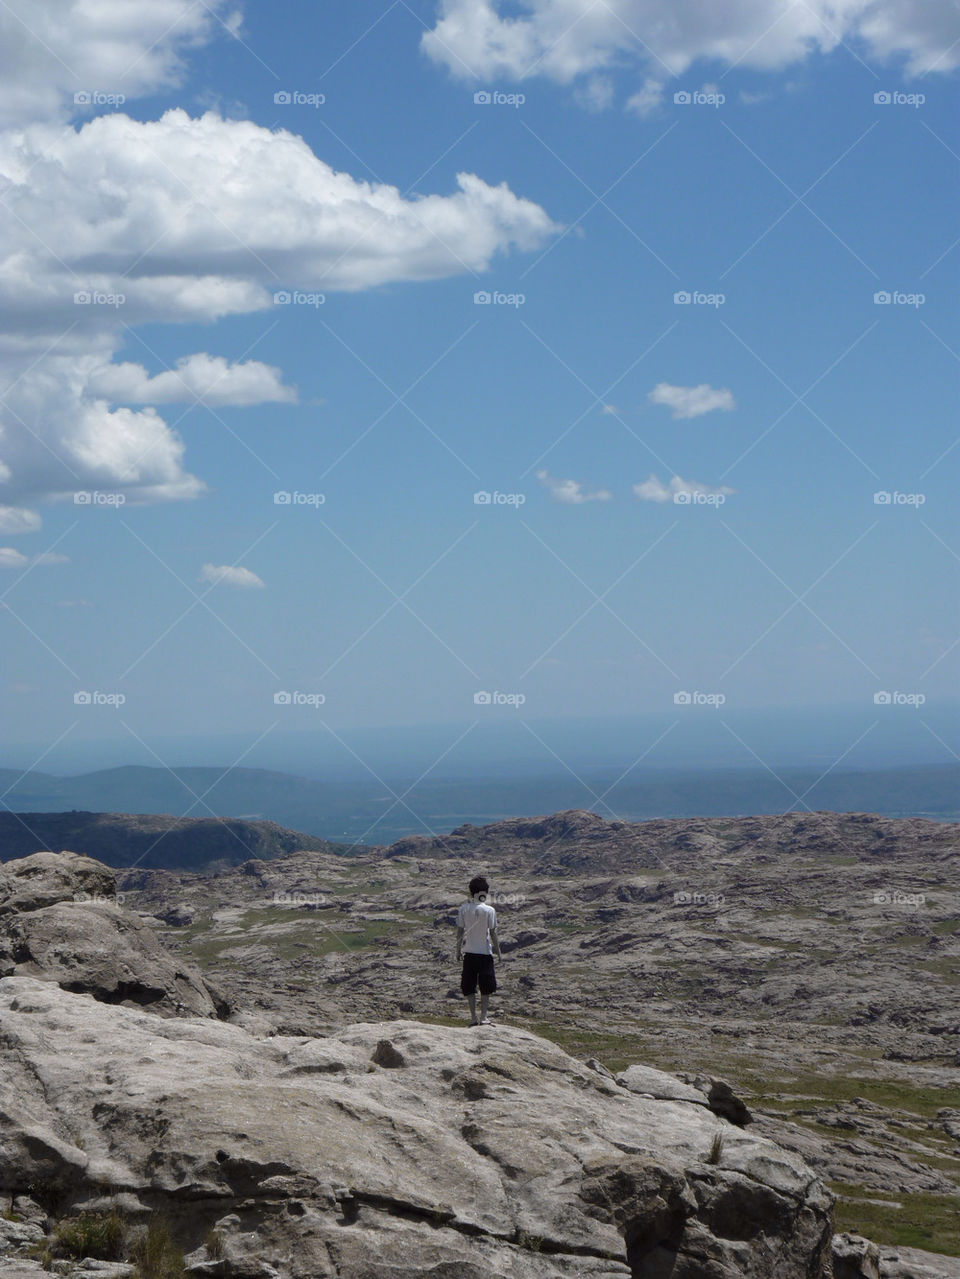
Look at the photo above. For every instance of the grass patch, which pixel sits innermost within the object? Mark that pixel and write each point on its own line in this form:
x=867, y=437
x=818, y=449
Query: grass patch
x=155, y=1254
x=93, y=1234
x=924, y=1221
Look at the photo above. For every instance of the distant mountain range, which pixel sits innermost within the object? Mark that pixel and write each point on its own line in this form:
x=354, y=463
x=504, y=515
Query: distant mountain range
x=375, y=813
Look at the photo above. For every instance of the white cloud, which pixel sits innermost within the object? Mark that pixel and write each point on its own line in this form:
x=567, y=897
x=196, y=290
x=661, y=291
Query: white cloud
x=691, y=401
x=208, y=377
x=647, y=99
x=11, y=558
x=230, y=574
x=182, y=220
x=17, y=519
x=53, y=49
x=654, y=490
x=571, y=491
x=565, y=40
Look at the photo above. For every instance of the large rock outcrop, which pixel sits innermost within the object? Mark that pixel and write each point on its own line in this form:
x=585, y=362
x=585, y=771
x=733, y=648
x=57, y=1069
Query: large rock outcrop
x=390, y=1150
x=62, y=919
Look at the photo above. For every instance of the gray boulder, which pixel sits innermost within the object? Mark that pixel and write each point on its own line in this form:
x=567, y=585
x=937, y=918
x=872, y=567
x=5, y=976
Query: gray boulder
x=62, y=919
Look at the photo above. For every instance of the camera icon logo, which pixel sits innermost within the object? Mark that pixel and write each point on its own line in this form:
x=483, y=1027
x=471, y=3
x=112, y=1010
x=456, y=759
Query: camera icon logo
x=882, y=699
x=681, y=699
x=282, y=498
x=482, y=498
x=282, y=98
x=482, y=298
x=682, y=298
x=682, y=498
x=882, y=99
x=882, y=298
x=82, y=98
x=82, y=699
x=482, y=98
x=82, y=498
x=682, y=98
x=281, y=699
x=481, y=699
x=82, y=298
x=282, y=298
x=881, y=499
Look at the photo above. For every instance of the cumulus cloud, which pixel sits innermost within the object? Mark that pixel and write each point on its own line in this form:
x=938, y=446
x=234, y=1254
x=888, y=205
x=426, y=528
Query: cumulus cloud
x=569, y=40
x=120, y=222
x=208, y=377
x=17, y=519
x=654, y=490
x=230, y=574
x=571, y=491
x=691, y=401
x=52, y=50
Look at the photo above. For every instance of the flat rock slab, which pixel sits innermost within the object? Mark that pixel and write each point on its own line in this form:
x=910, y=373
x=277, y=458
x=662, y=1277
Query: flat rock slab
x=391, y=1149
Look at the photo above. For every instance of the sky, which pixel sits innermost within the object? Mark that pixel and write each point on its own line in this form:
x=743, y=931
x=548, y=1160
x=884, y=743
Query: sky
x=467, y=364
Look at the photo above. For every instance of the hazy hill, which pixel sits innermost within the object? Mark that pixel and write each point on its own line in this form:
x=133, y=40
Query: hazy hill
x=152, y=840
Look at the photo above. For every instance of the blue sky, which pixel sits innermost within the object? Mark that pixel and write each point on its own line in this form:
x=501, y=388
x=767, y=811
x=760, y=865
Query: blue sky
x=779, y=400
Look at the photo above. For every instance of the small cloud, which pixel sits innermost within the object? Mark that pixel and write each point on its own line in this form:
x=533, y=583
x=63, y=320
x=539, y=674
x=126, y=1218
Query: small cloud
x=596, y=94
x=646, y=101
x=612, y=409
x=12, y=558
x=18, y=519
x=751, y=99
x=571, y=491
x=74, y=604
x=654, y=490
x=692, y=401
x=231, y=574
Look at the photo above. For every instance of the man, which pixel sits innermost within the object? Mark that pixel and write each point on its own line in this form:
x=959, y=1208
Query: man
x=477, y=942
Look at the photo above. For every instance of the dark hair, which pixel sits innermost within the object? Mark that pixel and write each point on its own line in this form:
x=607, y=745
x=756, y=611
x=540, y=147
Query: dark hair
x=478, y=885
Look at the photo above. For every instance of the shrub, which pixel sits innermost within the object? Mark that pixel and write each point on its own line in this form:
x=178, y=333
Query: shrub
x=93, y=1234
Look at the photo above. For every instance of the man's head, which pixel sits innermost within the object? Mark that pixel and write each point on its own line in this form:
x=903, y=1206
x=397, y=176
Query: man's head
x=479, y=887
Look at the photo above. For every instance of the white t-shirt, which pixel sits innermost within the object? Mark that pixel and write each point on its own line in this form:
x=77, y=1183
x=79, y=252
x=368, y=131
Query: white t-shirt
x=476, y=919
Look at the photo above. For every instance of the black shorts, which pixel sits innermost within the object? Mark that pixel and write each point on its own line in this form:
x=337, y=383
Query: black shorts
x=478, y=968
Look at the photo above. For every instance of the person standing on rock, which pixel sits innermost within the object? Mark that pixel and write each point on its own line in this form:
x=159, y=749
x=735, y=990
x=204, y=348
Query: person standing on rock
x=477, y=943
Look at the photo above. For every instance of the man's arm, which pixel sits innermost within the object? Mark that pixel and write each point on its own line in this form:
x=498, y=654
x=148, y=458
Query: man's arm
x=459, y=943
x=495, y=942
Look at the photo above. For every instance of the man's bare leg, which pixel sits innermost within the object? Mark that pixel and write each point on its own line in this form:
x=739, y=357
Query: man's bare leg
x=484, y=1003
x=472, y=1001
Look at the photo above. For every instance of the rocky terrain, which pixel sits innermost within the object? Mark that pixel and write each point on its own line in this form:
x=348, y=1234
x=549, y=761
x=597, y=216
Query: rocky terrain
x=813, y=959
x=153, y=840
x=286, y=1082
